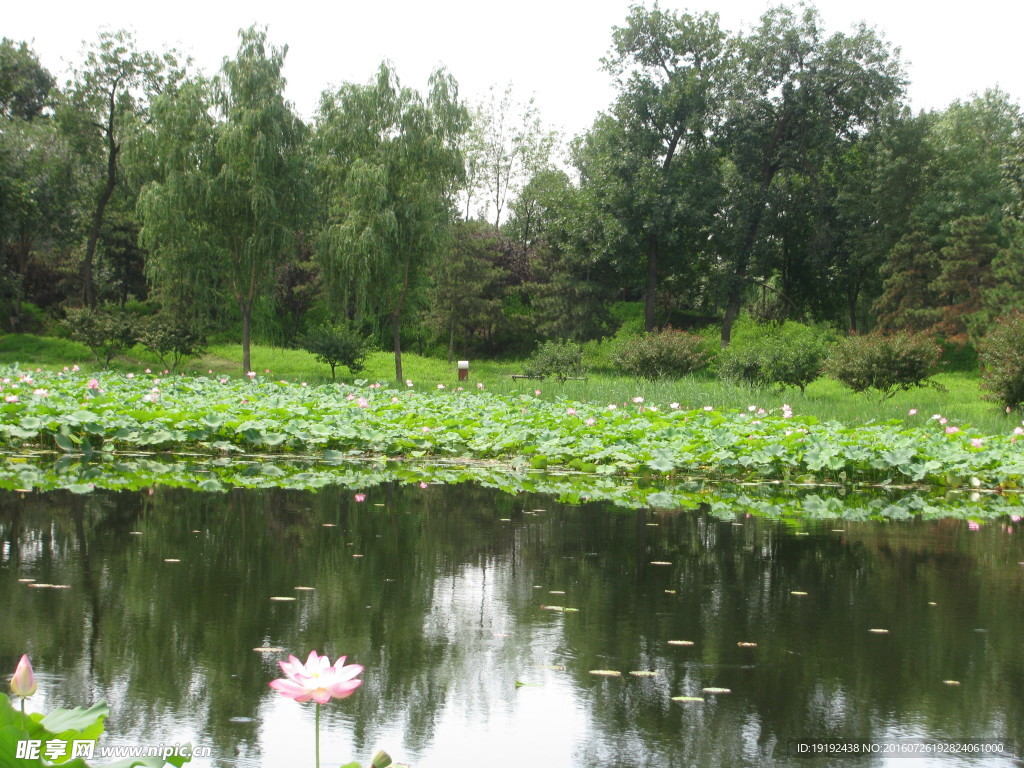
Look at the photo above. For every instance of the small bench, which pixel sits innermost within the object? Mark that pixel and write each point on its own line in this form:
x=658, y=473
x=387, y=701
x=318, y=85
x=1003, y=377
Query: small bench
x=541, y=377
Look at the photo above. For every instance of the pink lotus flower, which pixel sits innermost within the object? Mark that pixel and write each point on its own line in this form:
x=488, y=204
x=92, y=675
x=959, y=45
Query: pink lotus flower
x=674, y=406
x=570, y=411
x=612, y=406
x=265, y=370
x=1018, y=430
x=638, y=399
x=536, y=393
x=423, y=484
x=317, y=680
x=131, y=375
x=425, y=430
x=250, y=374
x=92, y=384
x=23, y=683
x=590, y=422
x=479, y=385
x=11, y=399
x=360, y=497
x=977, y=442
x=74, y=368
x=440, y=386
x=147, y=370
x=912, y=412
x=952, y=430
x=972, y=526
x=709, y=407
x=362, y=402
x=408, y=382
x=41, y=392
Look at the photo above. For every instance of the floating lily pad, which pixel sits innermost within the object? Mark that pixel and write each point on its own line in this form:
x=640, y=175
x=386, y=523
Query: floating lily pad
x=26, y=581
x=687, y=698
x=282, y=599
x=38, y=585
x=268, y=649
x=951, y=682
x=606, y=672
x=644, y=673
x=660, y=562
x=747, y=645
x=670, y=592
x=328, y=525
x=304, y=589
x=716, y=690
x=879, y=631
x=799, y=594
x=171, y=560
x=680, y=642
x=556, y=592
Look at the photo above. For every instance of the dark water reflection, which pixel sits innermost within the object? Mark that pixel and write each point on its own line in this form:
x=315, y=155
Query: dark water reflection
x=441, y=595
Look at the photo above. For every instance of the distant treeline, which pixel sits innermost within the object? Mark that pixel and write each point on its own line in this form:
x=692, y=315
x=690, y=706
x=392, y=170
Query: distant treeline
x=776, y=172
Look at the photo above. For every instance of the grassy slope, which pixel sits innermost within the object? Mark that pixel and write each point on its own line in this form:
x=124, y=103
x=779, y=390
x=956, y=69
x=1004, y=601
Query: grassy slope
x=826, y=399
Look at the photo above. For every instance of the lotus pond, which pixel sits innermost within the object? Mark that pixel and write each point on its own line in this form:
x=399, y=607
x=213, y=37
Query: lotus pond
x=526, y=582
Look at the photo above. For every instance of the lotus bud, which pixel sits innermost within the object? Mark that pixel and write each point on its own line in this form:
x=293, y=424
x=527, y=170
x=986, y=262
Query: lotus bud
x=24, y=681
x=381, y=760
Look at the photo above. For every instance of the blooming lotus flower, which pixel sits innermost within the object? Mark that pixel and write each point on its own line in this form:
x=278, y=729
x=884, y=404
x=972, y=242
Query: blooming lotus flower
x=674, y=406
x=590, y=422
x=11, y=399
x=317, y=680
x=250, y=374
x=952, y=430
x=147, y=370
x=440, y=386
x=536, y=393
x=74, y=368
x=638, y=399
x=362, y=402
x=23, y=683
x=423, y=484
x=570, y=411
x=479, y=385
x=360, y=497
x=912, y=412
x=408, y=382
x=41, y=392
x=92, y=384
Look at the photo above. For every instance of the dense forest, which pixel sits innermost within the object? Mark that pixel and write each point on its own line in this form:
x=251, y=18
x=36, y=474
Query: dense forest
x=776, y=172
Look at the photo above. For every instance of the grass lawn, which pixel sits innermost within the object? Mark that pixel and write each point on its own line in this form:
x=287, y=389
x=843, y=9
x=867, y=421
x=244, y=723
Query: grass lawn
x=960, y=400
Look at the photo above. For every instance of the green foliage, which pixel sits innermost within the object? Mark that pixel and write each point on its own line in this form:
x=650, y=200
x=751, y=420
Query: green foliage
x=107, y=331
x=1001, y=355
x=561, y=359
x=663, y=354
x=171, y=339
x=338, y=344
x=787, y=355
x=885, y=363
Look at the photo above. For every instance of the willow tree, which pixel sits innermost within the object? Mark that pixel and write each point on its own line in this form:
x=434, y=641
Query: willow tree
x=223, y=214
x=389, y=165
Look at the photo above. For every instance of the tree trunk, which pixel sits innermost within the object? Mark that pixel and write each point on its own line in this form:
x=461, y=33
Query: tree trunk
x=652, y=284
x=852, y=291
x=396, y=328
x=451, y=339
x=246, y=360
x=88, y=293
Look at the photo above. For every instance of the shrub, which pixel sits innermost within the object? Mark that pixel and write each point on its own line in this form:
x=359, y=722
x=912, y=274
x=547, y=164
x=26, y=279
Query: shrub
x=1001, y=356
x=338, y=344
x=787, y=355
x=561, y=359
x=888, y=364
x=170, y=339
x=106, y=331
x=662, y=355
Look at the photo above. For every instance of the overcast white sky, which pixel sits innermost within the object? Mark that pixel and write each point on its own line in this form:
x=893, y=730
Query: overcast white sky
x=546, y=48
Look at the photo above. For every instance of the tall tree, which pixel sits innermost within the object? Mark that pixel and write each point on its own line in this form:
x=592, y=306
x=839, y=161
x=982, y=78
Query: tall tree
x=650, y=162
x=389, y=167
x=25, y=84
x=223, y=215
x=797, y=94
x=105, y=104
x=507, y=145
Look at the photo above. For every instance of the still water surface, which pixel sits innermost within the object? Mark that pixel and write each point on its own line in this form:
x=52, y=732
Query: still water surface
x=449, y=596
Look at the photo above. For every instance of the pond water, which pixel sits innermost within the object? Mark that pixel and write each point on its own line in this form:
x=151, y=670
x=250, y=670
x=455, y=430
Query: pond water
x=452, y=595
